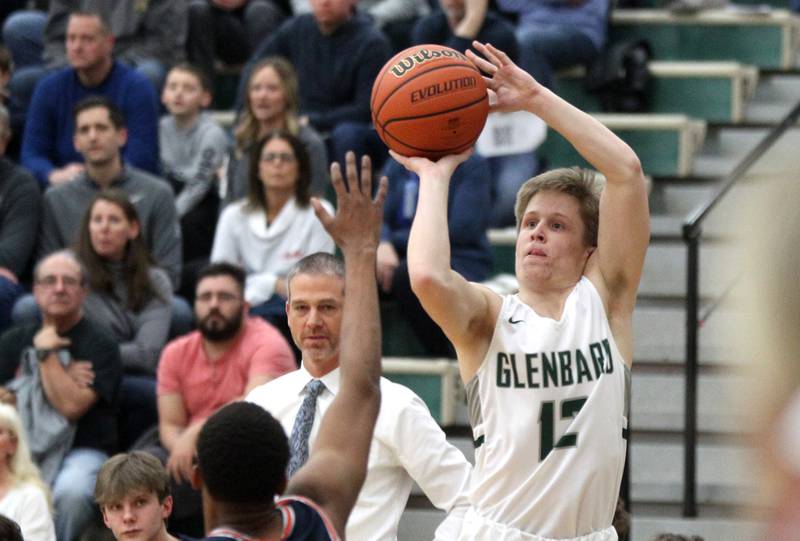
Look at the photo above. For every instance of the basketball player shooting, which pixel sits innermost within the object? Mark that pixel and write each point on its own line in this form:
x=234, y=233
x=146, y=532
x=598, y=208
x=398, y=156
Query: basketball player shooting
x=547, y=370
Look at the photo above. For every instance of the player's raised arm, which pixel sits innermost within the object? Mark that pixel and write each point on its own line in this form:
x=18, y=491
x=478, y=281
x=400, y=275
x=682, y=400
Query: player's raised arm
x=624, y=230
x=337, y=465
x=465, y=311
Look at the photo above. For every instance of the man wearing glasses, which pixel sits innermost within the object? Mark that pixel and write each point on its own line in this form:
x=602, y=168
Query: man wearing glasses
x=67, y=375
x=224, y=359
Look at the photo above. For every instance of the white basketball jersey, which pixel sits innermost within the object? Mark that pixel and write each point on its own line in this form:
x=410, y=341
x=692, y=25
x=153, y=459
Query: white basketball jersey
x=548, y=408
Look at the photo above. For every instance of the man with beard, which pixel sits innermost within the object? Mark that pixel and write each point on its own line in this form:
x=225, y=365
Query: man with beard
x=229, y=355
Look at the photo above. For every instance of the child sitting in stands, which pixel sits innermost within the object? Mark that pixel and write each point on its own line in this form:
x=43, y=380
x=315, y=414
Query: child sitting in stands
x=193, y=149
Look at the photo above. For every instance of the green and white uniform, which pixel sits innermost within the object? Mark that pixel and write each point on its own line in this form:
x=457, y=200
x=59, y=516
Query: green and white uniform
x=548, y=408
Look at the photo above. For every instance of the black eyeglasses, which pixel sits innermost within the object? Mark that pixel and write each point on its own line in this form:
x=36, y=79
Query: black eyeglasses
x=285, y=157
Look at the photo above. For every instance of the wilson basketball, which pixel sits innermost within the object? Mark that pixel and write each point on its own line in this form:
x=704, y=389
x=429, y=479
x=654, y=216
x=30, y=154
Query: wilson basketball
x=429, y=101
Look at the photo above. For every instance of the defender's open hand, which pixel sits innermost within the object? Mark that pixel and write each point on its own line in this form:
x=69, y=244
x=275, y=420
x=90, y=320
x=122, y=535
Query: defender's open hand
x=358, y=219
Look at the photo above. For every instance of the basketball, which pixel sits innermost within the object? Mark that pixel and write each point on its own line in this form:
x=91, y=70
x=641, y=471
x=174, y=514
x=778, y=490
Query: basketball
x=429, y=101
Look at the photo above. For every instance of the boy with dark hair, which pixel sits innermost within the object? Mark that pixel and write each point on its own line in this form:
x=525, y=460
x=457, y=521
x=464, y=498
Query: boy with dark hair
x=193, y=149
x=115, y=114
x=133, y=493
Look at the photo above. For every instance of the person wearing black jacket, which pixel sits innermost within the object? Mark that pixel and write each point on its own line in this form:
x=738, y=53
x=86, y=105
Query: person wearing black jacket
x=20, y=214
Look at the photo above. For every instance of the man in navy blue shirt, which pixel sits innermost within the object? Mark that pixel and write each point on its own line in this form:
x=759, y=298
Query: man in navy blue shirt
x=47, y=149
x=337, y=53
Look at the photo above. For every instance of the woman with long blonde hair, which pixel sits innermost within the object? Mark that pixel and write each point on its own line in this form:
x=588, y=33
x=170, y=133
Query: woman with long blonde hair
x=271, y=103
x=24, y=497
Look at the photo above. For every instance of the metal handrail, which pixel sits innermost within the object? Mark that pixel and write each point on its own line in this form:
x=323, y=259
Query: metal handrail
x=692, y=233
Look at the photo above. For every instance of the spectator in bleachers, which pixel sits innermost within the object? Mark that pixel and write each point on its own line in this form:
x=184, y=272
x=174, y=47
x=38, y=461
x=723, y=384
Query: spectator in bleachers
x=13, y=138
x=557, y=35
x=26, y=498
x=147, y=36
x=457, y=24
x=23, y=31
x=100, y=133
x=460, y=22
x=274, y=226
x=8, y=7
x=407, y=445
x=134, y=496
x=394, y=17
x=47, y=146
x=66, y=391
x=337, y=52
x=270, y=104
x=20, y=214
x=130, y=298
x=6, y=68
x=229, y=355
x=229, y=30
x=468, y=219
x=193, y=150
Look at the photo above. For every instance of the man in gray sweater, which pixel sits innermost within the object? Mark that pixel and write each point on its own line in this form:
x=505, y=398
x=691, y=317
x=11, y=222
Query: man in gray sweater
x=99, y=135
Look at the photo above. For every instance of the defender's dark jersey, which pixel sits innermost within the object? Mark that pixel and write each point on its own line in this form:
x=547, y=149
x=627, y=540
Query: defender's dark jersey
x=303, y=520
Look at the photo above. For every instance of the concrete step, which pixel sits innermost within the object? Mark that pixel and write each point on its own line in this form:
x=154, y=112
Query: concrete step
x=664, y=274
x=753, y=4
x=775, y=96
x=723, y=149
x=646, y=528
x=657, y=401
x=725, y=473
x=660, y=335
x=665, y=143
x=714, y=91
x=419, y=524
x=767, y=40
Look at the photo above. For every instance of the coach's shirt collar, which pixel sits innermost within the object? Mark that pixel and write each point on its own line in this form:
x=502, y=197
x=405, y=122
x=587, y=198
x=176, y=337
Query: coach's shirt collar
x=331, y=380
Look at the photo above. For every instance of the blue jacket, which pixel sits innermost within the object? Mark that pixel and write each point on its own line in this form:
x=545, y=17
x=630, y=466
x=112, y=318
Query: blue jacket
x=335, y=72
x=588, y=17
x=47, y=141
x=434, y=28
x=468, y=211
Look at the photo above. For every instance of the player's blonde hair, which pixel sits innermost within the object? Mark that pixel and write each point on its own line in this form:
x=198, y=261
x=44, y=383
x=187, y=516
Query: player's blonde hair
x=575, y=181
x=21, y=466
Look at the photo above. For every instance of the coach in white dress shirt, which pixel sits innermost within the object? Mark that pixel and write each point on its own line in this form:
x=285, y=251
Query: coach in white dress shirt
x=407, y=445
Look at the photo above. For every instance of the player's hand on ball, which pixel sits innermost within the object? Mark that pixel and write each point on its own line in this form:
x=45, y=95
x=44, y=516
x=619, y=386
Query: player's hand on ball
x=443, y=168
x=510, y=87
x=357, y=222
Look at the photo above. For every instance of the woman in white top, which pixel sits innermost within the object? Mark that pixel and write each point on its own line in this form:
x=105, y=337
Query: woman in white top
x=24, y=497
x=274, y=226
